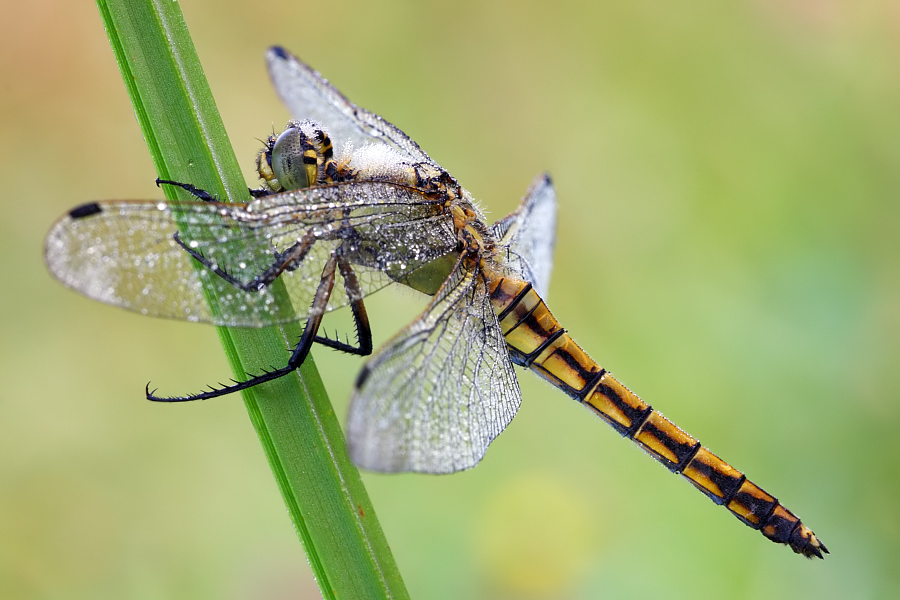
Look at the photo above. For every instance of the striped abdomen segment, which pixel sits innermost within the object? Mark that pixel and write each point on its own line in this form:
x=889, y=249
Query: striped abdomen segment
x=537, y=341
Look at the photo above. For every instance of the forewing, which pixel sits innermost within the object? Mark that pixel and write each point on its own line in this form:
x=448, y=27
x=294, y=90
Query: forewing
x=386, y=231
x=528, y=234
x=309, y=96
x=440, y=392
x=127, y=254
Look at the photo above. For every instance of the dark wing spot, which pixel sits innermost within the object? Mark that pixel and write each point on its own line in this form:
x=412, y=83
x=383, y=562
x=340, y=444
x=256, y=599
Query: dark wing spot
x=363, y=375
x=85, y=210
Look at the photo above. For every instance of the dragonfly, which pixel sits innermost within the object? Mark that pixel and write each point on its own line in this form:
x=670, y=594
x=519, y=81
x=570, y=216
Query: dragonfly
x=329, y=227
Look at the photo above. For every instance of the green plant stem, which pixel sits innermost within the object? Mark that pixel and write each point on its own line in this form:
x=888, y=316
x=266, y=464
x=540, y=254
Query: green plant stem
x=293, y=417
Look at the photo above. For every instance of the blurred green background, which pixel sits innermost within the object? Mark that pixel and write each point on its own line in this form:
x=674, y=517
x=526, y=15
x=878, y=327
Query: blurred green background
x=728, y=179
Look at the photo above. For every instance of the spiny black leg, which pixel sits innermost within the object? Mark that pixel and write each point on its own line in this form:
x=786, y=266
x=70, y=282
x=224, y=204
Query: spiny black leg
x=284, y=261
x=301, y=350
x=210, y=265
x=360, y=317
x=227, y=389
x=320, y=301
x=194, y=191
x=206, y=196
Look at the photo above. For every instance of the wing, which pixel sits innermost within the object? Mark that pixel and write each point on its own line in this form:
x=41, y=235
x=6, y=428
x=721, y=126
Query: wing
x=528, y=234
x=309, y=96
x=133, y=254
x=440, y=392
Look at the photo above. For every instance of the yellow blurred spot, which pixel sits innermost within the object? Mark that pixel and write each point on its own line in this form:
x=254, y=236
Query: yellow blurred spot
x=536, y=537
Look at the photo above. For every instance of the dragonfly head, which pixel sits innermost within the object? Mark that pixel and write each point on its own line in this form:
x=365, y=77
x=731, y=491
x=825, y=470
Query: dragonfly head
x=301, y=156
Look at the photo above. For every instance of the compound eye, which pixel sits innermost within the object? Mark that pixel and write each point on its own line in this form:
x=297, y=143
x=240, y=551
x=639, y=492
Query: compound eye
x=291, y=158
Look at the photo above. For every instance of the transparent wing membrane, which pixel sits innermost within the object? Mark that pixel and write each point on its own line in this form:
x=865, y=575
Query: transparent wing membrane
x=437, y=395
x=528, y=235
x=309, y=96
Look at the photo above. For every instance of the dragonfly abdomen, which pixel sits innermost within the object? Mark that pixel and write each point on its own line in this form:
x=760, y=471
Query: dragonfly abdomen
x=537, y=341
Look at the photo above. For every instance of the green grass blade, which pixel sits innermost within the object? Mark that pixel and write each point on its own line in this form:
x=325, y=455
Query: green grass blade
x=293, y=417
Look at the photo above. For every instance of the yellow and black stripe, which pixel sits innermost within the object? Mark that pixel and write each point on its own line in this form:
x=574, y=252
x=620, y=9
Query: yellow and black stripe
x=321, y=151
x=537, y=341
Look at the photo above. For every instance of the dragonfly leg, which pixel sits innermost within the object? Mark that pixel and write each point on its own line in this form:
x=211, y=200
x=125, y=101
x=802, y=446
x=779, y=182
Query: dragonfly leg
x=360, y=317
x=194, y=191
x=284, y=261
x=206, y=196
x=301, y=350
